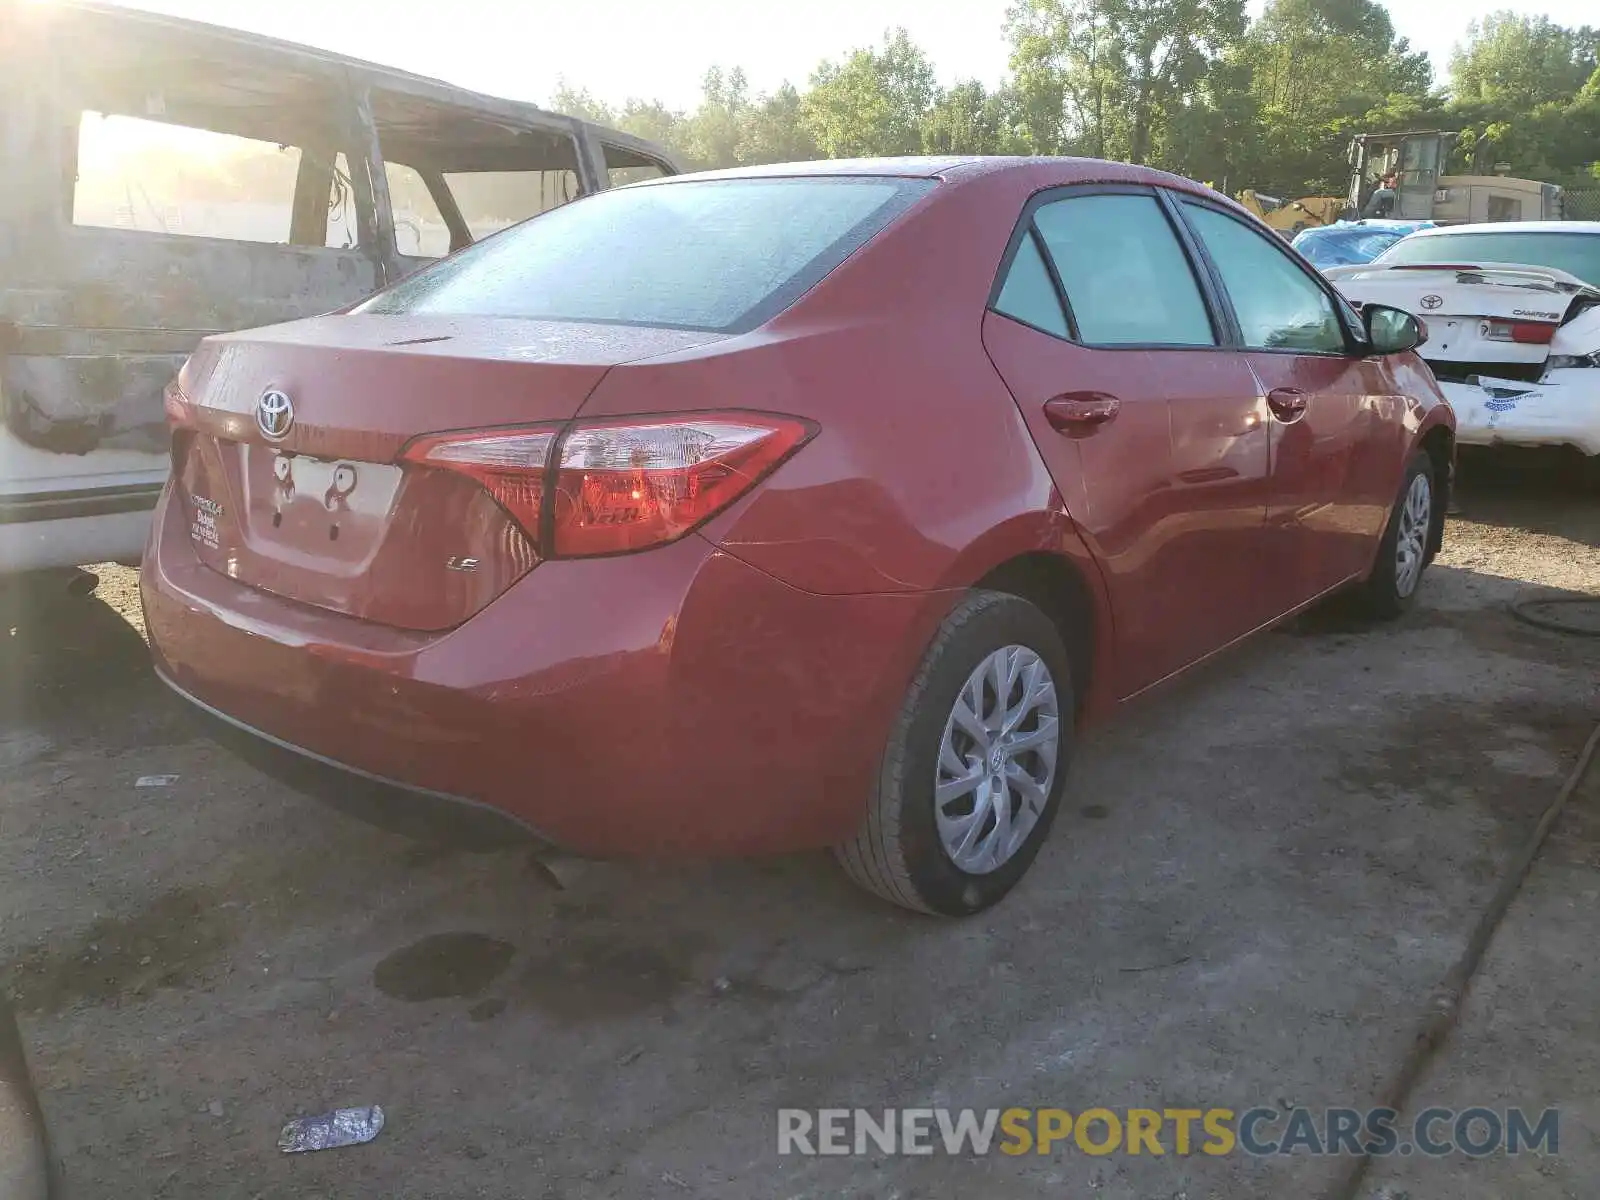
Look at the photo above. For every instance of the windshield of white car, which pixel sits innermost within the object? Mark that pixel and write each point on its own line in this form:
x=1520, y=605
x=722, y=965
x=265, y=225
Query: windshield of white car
x=1576, y=253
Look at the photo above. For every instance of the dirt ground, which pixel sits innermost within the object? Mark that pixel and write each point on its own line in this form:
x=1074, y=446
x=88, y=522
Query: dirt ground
x=1257, y=879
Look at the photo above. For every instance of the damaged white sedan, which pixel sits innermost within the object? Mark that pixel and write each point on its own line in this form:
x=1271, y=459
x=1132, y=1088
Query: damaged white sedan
x=1513, y=323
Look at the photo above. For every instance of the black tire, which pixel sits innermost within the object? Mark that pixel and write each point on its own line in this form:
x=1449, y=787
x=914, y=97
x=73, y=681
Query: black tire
x=1381, y=596
x=897, y=852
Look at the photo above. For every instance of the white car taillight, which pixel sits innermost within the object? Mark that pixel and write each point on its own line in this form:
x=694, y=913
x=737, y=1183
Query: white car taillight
x=1530, y=333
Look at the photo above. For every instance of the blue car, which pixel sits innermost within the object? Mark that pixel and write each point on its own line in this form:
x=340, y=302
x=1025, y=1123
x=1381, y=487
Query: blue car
x=1353, y=243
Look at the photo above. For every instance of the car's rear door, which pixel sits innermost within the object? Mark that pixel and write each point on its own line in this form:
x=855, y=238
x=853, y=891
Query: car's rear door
x=1335, y=413
x=1151, y=426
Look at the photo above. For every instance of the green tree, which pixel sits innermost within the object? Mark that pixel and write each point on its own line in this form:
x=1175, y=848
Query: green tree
x=1186, y=85
x=1065, y=74
x=714, y=131
x=775, y=130
x=871, y=103
x=1320, y=70
x=1521, y=62
x=1213, y=135
x=1121, y=68
x=578, y=102
x=653, y=121
x=967, y=119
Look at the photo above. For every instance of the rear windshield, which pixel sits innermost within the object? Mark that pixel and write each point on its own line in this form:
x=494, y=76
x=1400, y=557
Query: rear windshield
x=1330, y=247
x=713, y=254
x=1575, y=253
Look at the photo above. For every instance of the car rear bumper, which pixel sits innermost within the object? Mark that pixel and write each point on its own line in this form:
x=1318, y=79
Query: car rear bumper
x=69, y=541
x=1562, y=411
x=413, y=811
x=675, y=701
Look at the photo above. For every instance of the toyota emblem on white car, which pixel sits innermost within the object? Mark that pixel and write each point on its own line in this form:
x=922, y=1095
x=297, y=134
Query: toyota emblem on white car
x=274, y=415
x=1431, y=301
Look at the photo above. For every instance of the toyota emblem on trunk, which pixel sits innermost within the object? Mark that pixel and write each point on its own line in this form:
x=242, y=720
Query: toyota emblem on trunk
x=1431, y=301
x=274, y=415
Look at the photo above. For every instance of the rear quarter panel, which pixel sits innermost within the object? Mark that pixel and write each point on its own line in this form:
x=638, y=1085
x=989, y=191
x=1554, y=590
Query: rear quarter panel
x=923, y=474
x=1424, y=410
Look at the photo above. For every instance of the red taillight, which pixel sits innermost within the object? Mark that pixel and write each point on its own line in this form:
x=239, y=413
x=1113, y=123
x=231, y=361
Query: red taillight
x=619, y=485
x=180, y=420
x=180, y=412
x=510, y=465
x=630, y=484
x=1530, y=333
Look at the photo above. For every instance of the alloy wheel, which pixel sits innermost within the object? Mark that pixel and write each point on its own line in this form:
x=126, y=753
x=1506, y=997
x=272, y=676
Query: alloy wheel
x=997, y=760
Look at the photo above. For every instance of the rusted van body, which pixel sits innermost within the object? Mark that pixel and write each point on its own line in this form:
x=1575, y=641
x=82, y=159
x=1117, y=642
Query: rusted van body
x=167, y=179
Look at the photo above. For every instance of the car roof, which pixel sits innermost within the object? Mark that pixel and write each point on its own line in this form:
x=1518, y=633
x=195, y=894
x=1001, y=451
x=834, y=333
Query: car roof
x=1591, y=227
x=910, y=166
x=199, y=38
x=1046, y=170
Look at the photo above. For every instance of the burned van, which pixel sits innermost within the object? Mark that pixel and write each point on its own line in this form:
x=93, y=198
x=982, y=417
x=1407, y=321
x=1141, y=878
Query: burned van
x=168, y=179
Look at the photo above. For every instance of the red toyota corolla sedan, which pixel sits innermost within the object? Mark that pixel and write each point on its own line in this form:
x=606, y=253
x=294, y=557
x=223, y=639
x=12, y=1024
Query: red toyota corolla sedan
x=787, y=507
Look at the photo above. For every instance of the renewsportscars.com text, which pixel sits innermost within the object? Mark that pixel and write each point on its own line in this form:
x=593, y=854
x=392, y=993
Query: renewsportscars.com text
x=1433, y=1132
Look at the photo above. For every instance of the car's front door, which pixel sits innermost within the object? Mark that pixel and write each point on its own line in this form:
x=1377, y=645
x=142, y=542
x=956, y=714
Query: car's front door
x=1153, y=430
x=1333, y=410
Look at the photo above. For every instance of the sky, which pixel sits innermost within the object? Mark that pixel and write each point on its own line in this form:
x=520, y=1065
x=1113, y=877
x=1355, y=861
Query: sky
x=654, y=50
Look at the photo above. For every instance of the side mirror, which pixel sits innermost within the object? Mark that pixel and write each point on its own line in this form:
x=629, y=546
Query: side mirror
x=1392, y=330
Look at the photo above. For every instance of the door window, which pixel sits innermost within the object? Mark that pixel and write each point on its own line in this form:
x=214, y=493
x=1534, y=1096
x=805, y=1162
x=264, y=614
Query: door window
x=1126, y=276
x=344, y=230
x=419, y=227
x=155, y=177
x=629, y=166
x=1279, y=306
x=462, y=161
x=492, y=200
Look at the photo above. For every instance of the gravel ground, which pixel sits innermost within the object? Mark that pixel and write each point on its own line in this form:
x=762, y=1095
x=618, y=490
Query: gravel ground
x=1258, y=877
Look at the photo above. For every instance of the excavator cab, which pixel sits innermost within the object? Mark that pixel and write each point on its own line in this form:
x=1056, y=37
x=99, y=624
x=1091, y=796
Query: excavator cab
x=1416, y=159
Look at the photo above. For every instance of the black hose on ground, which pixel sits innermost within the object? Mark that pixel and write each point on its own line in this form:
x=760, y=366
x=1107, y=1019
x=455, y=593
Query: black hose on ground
x=1444, y=1004
x=1586, y=623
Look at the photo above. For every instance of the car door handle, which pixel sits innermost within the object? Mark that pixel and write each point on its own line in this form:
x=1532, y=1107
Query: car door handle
x=1078, y=414
x=1287, y=404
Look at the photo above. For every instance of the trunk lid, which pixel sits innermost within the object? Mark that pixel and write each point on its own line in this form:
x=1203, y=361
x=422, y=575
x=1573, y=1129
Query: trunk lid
x=288, y=466
x=1458, y=305
x=1506, y=293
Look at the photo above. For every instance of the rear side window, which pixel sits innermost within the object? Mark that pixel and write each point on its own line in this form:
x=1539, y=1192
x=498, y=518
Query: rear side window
x=492, y=200
x=1278, y=305
x=723, y=255
x=1029, y=294
x=419, y=227
x=629, y=166
x=1125, y=273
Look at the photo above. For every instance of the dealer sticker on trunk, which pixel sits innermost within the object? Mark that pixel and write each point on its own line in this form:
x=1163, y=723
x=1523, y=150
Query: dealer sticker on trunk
x=203, y=528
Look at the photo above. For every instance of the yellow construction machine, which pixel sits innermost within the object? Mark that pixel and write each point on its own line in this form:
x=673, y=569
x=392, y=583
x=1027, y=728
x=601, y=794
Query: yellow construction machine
x=1289, y=217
